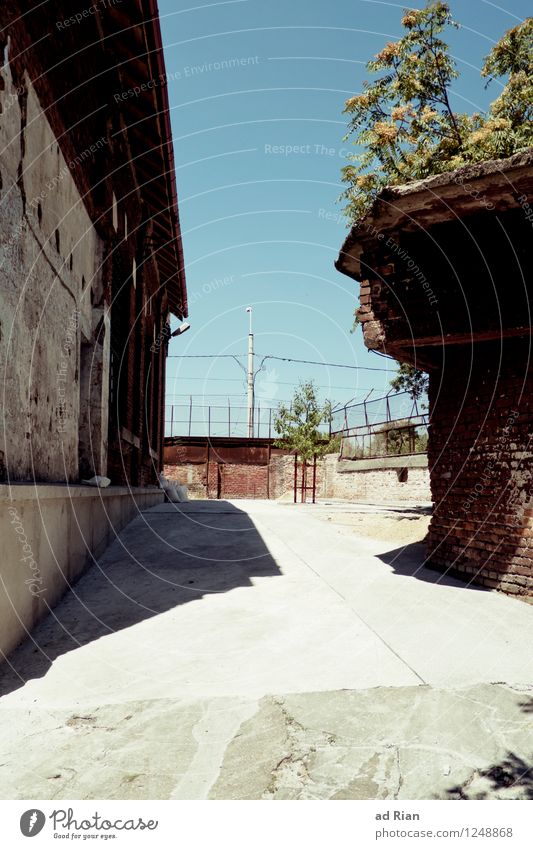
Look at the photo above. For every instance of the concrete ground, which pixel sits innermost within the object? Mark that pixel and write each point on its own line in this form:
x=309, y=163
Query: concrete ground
x=252, y=649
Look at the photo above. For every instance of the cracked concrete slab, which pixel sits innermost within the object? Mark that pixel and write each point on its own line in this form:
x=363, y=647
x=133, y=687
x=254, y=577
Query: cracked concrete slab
x=393, y=743
x=251, y=650
x=383, y=743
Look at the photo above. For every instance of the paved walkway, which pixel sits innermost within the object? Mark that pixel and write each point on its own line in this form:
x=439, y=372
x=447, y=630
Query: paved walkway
x=252, y=650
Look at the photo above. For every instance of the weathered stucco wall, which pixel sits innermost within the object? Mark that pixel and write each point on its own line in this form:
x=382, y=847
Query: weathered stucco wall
x=49, y=281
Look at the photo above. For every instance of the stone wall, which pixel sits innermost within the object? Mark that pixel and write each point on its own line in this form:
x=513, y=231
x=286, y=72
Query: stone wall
x=282, y=477
x=481, y=453
x=384, y=480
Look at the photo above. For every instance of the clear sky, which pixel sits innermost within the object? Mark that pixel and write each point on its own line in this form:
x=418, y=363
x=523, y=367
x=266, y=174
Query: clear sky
x=257, y=89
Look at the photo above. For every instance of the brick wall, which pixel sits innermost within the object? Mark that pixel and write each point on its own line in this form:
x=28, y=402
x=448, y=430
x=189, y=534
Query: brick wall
x=191, y=475
x=223, y=480
x=480, y=453
x=247, y=480
x=244, y=481
x=282, y=478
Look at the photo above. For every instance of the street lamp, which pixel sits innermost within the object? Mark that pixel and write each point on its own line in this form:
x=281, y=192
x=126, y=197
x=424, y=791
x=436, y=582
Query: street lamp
x=181, y=329
x=250, y=377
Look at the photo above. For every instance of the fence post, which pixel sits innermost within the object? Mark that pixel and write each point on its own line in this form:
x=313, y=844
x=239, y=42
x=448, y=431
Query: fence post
x=258, y=419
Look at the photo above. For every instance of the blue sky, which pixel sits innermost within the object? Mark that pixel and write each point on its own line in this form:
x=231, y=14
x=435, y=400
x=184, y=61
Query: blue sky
x=256, y=93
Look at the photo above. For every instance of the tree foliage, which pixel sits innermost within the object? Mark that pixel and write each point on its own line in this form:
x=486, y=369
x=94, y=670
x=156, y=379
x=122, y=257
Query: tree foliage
x=412, y=380
x=404, y=120
x=298, y=424
x=399, y=437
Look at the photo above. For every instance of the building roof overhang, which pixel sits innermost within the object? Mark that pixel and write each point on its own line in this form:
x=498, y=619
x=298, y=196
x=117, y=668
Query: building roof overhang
x=495, y=185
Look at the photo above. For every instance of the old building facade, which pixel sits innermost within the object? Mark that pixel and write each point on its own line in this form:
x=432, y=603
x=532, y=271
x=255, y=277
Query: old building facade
x=91, y=269
x=444, y=267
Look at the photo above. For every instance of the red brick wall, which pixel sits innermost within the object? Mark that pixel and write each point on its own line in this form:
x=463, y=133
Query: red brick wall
x=480, y=455
x=244, y=481
x=191, y=475
x=225, y=480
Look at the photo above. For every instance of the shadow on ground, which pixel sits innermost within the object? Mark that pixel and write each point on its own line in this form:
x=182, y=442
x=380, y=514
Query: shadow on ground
x=511, y=777
x=168, y=556
x=410, y=561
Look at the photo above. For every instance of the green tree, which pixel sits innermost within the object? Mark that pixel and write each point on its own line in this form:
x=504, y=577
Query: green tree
x=404, y=122
x=334, y=446
x=298, y=425
x=509, y=125
x=412, y=380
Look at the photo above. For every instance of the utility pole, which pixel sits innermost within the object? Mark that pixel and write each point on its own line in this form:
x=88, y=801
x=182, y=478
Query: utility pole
x=250, y=377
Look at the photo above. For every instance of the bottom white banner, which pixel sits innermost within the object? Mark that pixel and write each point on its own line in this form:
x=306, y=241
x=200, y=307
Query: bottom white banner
x=264, y=825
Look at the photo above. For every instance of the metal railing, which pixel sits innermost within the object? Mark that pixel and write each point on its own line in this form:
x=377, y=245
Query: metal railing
x=375, y=411
x=193, y=419
x=389, y=426
x=362, y=426
x=388, y=439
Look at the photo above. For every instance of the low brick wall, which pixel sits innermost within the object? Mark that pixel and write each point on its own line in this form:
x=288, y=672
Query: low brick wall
x=384, y=480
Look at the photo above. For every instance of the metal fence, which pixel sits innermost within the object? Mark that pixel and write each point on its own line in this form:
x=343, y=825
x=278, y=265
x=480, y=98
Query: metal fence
x=192, y=419
x=375, y=411
x=377, y=427
x=382, y=427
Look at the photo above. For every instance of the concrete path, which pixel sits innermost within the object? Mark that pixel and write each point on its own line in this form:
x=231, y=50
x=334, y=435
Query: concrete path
x=252, y=650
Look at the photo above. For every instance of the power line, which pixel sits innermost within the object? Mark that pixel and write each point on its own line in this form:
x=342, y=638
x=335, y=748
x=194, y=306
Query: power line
x=272, y=357
x=317, y=363
x=243, y=395
x=277, y=382
x=204, y=356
